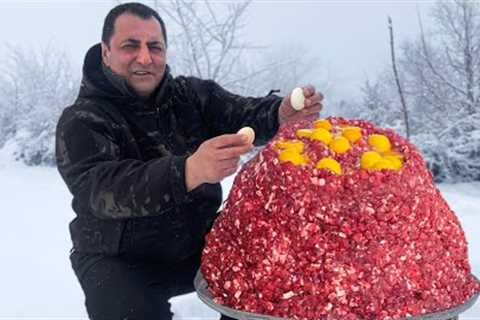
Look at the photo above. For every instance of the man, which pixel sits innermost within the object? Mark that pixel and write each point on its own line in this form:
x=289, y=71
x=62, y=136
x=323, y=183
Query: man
x=143, y=154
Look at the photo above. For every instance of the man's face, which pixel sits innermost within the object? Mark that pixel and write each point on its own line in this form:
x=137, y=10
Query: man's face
x=137, y=52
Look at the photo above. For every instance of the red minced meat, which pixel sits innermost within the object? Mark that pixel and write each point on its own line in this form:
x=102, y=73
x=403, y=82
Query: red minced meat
x=302, y=243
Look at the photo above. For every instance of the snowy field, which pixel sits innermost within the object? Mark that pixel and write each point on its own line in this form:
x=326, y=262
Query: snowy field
x=36, y=281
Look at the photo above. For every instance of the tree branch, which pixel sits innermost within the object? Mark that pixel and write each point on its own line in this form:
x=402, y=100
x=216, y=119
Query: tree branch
x=397, y=80
x=429, y=62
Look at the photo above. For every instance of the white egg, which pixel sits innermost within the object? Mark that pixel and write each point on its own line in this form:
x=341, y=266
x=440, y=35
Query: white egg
x=297, y=99
x=249, y=132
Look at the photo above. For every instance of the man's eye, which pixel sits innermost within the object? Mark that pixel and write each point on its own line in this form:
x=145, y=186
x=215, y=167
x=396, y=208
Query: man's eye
x=129, y=46
x=156, y=49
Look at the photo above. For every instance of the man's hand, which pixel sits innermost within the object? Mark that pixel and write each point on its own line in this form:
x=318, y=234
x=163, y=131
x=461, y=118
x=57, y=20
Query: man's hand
x=215, y=159
x=313, y=105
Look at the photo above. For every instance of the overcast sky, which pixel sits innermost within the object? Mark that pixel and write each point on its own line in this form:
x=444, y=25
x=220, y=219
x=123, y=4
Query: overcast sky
x=350, y=37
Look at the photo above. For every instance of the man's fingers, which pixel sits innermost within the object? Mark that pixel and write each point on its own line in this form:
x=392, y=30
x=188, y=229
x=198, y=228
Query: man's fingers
x=313, y=109
x=229, y=172
x=232, y=152
x=309, y=91
x=310, y=94
x=315, y=99
x=228, y=140
x=229, y=163
x=311, y=117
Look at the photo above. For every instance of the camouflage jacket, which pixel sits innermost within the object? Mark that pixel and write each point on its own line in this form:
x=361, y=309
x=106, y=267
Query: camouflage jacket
x=123, y=160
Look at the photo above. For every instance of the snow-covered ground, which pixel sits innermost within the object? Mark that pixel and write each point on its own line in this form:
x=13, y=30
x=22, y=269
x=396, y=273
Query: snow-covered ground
x=36, y=281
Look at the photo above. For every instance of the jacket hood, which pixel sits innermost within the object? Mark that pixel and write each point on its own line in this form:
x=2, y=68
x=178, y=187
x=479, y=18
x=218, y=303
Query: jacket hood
x=100, y=81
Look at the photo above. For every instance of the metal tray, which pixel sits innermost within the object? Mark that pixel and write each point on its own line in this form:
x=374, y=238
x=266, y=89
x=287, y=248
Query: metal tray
x=204, y=295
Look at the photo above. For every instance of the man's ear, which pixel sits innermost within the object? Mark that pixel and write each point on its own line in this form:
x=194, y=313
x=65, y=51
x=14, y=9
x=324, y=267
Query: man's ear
x=105, y=54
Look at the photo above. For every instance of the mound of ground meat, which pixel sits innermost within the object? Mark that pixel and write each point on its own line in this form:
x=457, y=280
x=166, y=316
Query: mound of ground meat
x=299, y=242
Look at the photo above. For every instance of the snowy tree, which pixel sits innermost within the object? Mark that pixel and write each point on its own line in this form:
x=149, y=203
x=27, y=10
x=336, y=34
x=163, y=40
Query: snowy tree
x=7, y=115
x=282, y=67
x=35, y=88
x=207, y=41
x=378, y=104
x=441, y=77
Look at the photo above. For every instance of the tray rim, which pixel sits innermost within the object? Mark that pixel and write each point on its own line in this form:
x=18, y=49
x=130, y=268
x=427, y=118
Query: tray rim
x=204, y=295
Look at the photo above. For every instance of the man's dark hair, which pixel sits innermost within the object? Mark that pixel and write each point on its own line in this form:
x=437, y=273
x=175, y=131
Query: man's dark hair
x=137, y=9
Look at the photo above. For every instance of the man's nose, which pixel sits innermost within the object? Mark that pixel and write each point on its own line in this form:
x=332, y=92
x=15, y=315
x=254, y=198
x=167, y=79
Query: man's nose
x=143, y=56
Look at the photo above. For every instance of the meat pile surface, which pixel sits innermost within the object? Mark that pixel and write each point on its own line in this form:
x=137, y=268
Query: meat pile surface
x=350, y=239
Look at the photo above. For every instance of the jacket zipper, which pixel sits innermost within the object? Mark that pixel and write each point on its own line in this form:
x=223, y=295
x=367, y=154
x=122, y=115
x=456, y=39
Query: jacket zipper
x=162, y=130
x=157, y=115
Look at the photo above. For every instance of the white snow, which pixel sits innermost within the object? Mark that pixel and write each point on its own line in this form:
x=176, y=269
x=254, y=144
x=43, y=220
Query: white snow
x=36, y=279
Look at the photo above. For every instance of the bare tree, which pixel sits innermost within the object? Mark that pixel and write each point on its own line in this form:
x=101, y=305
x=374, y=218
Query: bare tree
x=442, y=84
x=397, y=79
x=208, y=42
x=207, y=39
x=459, y=25
x=282, y=67
x=450, y=56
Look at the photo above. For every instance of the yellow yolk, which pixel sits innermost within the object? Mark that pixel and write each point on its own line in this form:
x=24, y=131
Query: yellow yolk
x=384, y=164
x=395, y=161
x=379, y=142
x=304, y=133
x=352, y=133
x=330, y=164
x=393, y=154
x=380, y=157
x=290, y=155
x=322, y=123
x=340, y=145
x=294, y=145
x=369, y=159
x=321, y=134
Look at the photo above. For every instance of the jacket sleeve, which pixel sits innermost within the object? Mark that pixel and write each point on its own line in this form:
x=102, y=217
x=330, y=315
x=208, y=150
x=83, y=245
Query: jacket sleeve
x=89, y=160
x=225, y=112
